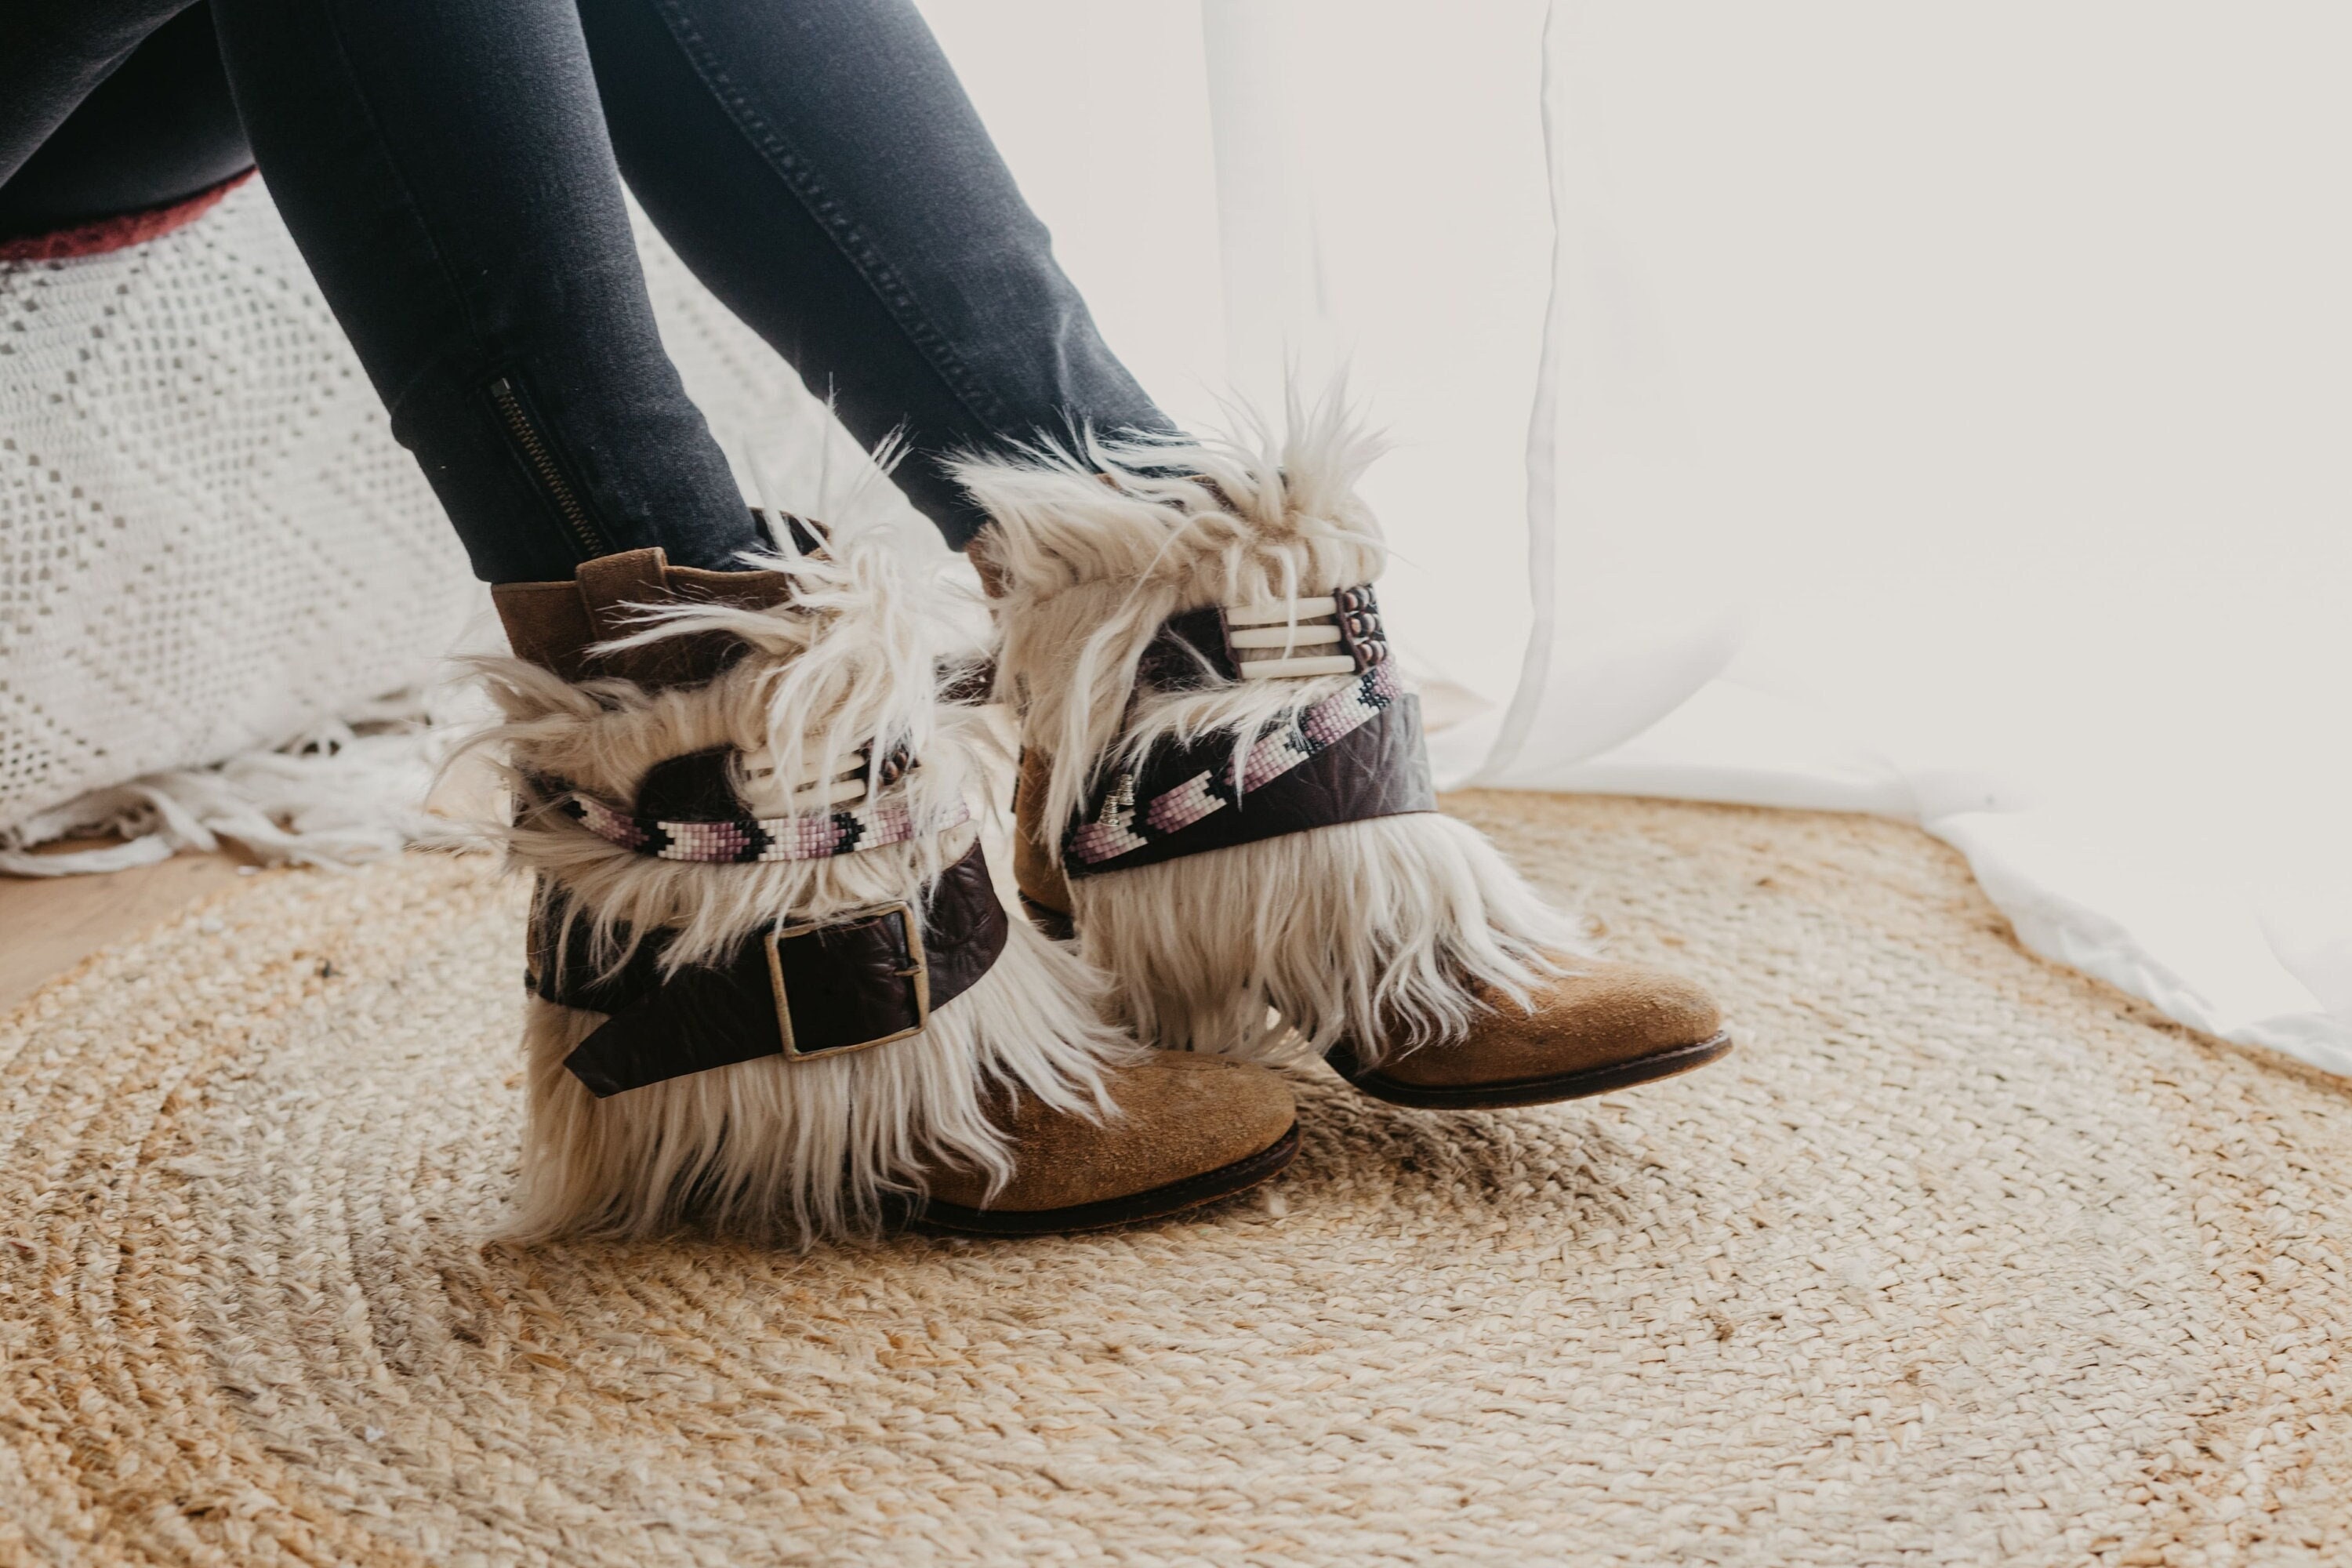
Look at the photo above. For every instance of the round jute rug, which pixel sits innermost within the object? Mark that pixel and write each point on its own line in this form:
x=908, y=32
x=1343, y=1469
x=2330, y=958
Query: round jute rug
x=1962, y=1258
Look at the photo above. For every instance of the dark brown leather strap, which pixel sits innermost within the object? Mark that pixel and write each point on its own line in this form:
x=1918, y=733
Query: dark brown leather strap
x=1380, y=769
x=1351, y=756
x=798, y=991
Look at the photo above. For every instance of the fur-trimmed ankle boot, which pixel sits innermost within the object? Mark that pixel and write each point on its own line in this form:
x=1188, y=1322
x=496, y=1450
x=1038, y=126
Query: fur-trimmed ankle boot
x=1224, y=788
x=773, y=989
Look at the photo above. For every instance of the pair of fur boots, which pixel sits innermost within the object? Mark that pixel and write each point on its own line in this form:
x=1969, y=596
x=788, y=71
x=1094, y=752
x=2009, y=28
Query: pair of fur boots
x=774, y=988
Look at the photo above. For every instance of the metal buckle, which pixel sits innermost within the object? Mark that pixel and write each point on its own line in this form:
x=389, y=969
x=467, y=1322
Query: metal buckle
x=918, y=979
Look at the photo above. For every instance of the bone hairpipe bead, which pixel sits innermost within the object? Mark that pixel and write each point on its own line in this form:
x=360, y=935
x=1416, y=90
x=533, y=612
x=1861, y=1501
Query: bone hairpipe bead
x=1266, y=668
x=1283, y=636
x=849, y=767
x=1276, y=614
x=832, y=794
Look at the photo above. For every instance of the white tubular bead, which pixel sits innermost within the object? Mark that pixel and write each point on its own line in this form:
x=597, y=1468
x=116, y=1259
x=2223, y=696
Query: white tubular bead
x=1275, y=615
x=832, y=794
x=850, y=767
x=815, y=773
x=1284, y=637
x=1267, y=668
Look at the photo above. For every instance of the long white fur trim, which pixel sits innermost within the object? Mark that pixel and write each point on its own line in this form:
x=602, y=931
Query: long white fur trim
x=1371, y=930
x=1096, y=548
x=1363, y=931
x=850, y=660
x=804, y=1151
x=798, y=1150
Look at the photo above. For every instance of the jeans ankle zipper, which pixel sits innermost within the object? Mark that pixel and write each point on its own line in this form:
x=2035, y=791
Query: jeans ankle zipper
x=540, y=460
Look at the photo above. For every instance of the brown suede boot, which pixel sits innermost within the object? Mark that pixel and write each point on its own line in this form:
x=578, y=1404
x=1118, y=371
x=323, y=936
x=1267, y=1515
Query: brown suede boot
x=774, y=988
x=1600, y=1026
x=1225, y=793
x=1184, y=1117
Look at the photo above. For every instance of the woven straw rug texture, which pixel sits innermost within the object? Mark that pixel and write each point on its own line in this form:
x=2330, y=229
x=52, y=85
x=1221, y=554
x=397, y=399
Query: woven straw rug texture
x=1963, y=1259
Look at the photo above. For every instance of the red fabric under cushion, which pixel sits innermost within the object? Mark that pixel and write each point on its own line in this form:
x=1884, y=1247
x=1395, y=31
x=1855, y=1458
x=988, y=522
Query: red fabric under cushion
x=103, y=235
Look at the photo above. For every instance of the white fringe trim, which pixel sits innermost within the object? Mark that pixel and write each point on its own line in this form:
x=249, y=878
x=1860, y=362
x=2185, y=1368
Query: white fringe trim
x=349, y=791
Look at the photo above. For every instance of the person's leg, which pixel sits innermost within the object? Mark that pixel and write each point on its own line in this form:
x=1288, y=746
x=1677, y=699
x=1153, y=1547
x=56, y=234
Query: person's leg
x=157, y=129
x=818, y=165
x=444, y=167
x=53, y=55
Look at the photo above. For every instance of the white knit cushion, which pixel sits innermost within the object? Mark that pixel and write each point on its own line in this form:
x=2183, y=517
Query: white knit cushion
x=209, y=541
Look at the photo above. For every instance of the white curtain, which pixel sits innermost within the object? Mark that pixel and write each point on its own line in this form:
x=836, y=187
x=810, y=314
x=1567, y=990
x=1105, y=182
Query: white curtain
x=1942, y=414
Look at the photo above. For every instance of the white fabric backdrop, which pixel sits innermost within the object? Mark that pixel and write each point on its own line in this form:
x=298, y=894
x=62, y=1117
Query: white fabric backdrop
x=1949, y=403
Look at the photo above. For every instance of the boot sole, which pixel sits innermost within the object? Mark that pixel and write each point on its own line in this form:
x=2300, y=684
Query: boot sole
x=1529, y=1091
x=1159, y=1203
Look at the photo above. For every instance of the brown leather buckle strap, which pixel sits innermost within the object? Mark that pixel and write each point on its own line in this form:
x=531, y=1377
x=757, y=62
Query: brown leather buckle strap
x=801, y=991
x=844, y=979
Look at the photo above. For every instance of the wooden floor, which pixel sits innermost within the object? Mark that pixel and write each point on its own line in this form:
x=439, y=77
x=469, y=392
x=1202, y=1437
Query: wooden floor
x=48, y=924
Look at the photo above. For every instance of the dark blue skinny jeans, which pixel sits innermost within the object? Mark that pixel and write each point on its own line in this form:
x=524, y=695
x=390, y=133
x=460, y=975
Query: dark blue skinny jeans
x=452, y=170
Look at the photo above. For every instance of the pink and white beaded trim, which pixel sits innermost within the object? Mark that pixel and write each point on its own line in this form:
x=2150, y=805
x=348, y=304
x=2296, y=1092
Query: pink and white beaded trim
x=814, y=837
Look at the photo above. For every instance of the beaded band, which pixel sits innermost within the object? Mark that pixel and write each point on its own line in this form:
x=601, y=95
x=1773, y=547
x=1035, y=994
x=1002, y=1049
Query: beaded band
x=1121, y=825
x=815, y=836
